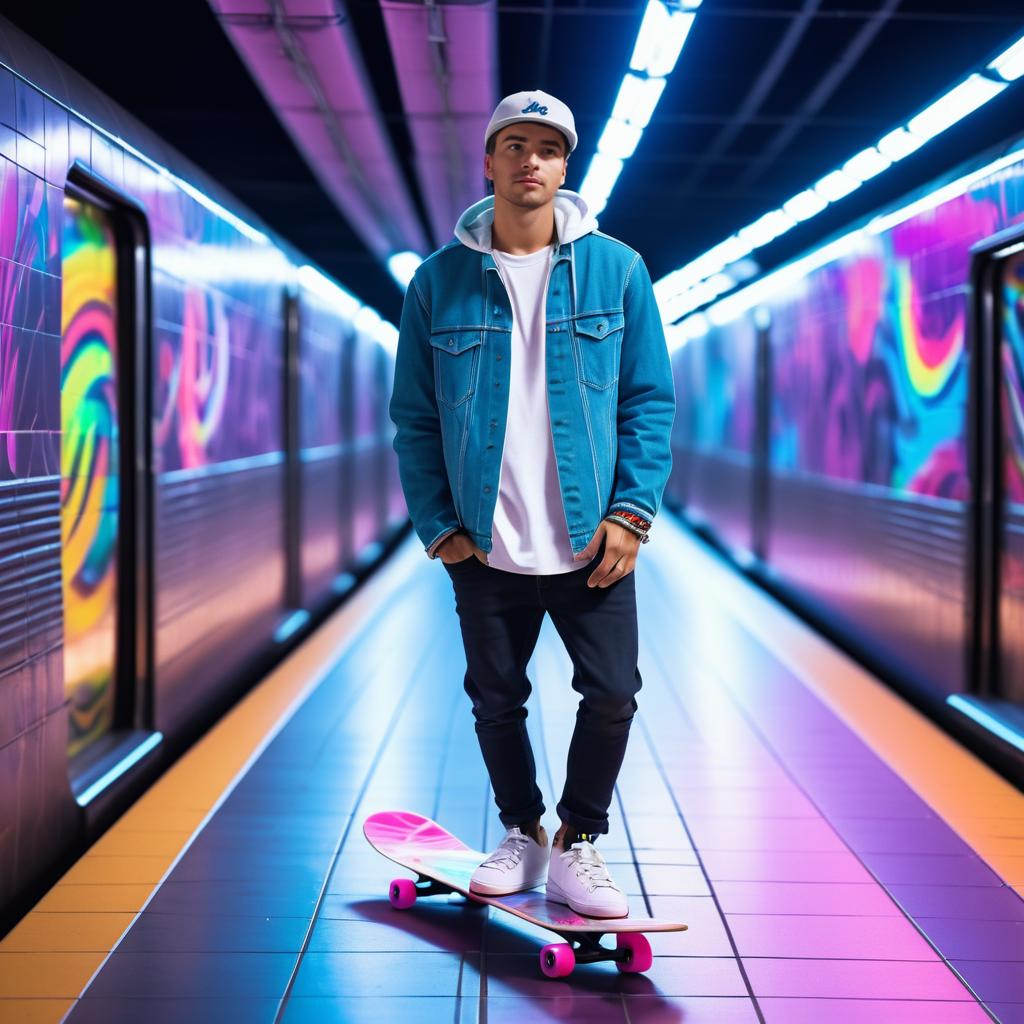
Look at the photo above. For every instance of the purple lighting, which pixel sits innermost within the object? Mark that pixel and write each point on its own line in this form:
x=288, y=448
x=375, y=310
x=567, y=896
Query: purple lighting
x=307, y=63
x=445, y=61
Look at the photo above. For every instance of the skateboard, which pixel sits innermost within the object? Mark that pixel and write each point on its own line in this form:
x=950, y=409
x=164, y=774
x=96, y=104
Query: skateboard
x=444, y=864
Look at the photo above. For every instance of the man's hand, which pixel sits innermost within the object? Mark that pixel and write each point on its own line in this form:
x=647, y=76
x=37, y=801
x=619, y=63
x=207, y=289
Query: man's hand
x=457, y=547
x=620, y=550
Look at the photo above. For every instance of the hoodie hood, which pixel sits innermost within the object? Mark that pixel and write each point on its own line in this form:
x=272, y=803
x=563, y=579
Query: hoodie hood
x=572, y=221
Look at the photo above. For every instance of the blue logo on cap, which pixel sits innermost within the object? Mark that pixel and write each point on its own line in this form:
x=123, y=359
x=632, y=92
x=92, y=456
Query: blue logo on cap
x=534, y=108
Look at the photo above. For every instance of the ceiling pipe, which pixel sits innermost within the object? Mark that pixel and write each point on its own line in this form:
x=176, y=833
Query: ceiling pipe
x=445, y=61
x=304, y=58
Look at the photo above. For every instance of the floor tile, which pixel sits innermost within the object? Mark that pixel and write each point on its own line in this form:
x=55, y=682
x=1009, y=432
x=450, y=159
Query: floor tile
x=830, y=898
x=854, y=979
x=121, y=1010
x=974, y=902
x=724, y=865
x=378, y=974
x=835, y=938
x=870, y=1011
x=382, y=1010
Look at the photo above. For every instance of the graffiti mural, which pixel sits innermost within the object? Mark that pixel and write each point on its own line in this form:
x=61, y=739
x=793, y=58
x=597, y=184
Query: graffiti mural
x=90, y=470
x=870, y=365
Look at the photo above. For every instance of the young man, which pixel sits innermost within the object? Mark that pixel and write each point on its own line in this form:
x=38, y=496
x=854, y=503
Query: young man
x=533, y=401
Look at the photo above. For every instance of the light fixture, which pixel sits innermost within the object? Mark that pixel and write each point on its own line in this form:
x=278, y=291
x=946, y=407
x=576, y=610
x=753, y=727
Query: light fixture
x=637, y=99
x=805, y=205
x=619, y=139
x=676, y=288
x=836, y=185
x=866, y=164
x=663, y=31
x=1009, y=65
x=402, y=265
x=601, y=176
x=660, y=39
x=319, y=284
x=955, y=105
x=766, y=228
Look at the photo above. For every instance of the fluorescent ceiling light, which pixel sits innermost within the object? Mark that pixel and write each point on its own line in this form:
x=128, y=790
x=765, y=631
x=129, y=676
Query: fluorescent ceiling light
x=681, y=286
x=836, y=185
x=660, y=39
x=956, y=104
x=866, y=164
x=764, y=229
x=601, y=176
x=804, y=205
x=619, y=139
x=715, y=259
x=899, y=143
x=387, y=336
x=637, y=99
x=321, y=285
x=402, y=265
x=1010, y=63
x=366, y=320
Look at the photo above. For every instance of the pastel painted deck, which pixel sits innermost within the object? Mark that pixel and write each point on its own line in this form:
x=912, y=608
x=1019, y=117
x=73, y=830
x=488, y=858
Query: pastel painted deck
x=445, y=863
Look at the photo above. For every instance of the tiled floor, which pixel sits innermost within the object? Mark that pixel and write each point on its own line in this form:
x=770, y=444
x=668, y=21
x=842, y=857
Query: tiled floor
x=817, y=884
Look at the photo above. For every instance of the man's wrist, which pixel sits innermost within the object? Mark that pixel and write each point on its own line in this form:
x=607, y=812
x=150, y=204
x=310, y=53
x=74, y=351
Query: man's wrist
x=635, y=524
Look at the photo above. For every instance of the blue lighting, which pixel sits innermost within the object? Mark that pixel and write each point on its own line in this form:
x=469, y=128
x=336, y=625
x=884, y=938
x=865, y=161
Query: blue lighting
x=110, y=777
x=986, y=720
x=291, y=625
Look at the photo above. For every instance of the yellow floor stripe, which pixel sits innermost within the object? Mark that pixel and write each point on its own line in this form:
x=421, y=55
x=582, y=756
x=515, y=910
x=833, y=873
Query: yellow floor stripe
x=50, y=955
x=979, y=804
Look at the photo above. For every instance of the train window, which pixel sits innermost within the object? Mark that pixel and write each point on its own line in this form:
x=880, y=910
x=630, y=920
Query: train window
x=106, y=530
x=1010, y=612
x=90, y=469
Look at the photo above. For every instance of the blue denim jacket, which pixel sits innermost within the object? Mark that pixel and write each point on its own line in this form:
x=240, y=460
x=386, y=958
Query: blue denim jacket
x=610, y=392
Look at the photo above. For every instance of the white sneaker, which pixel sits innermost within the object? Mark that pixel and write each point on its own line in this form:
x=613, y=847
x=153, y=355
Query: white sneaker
x=579, y=877
x=518, y=863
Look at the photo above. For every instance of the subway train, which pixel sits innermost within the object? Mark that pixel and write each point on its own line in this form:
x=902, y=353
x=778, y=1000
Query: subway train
x=197, y=460
x=196, y=457
x=850, y=430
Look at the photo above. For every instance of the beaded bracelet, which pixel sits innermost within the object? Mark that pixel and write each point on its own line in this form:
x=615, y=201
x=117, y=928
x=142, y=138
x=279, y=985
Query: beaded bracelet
x=639, y=531
x=636, y=520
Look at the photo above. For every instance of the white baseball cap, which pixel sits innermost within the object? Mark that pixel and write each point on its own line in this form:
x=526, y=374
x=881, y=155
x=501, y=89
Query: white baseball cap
x=533, y=105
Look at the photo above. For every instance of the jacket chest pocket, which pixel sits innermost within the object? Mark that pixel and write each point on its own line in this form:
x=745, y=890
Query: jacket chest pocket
x=599, y=337
x=456, y=363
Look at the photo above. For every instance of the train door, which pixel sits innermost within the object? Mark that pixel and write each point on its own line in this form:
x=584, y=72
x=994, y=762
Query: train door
x=996, y=702
x=104, y=505
x=1009, y=311
x=295, y=616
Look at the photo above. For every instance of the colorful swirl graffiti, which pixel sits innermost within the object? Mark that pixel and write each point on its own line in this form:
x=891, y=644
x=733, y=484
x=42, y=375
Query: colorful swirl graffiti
x=217, y=376
x=89, y=470
x=876, y=341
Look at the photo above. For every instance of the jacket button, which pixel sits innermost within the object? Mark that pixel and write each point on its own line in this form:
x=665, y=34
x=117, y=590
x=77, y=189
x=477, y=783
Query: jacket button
x=498, y=357
x=600, y=327
x=487, y=490
x=497, y=311
x=451, y=341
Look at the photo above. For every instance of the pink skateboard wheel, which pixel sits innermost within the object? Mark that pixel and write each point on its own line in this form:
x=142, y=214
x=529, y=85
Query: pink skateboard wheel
x=402, y=893
x=557, y=960
x=640, y=956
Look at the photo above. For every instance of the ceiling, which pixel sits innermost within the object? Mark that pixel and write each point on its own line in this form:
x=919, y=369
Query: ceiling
x=767, y=97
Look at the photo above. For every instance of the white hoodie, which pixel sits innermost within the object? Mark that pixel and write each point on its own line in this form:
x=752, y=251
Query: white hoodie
x=529, y=533
x=572, y=220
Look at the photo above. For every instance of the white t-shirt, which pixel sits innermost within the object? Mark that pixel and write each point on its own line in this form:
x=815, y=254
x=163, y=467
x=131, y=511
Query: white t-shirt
x=529, y=533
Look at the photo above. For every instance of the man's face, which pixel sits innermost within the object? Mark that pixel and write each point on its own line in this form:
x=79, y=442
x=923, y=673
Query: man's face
x=528, y=164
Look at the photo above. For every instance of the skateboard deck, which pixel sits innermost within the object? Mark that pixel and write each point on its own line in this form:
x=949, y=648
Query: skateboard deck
x=444, y=864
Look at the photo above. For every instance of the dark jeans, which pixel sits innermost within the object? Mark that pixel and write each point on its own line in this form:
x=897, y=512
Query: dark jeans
x=500, y=614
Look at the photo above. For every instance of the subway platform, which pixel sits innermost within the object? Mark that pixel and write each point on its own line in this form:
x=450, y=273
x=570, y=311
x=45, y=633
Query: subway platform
x=836, y=856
